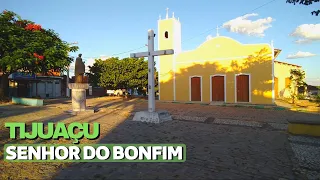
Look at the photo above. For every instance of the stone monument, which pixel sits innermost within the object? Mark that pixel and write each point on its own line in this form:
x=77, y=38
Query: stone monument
x=79, y=88
x=79, y=70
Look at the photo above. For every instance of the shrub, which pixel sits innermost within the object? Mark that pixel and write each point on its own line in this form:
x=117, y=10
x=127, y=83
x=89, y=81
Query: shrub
x=301, y=97
x=318, y=99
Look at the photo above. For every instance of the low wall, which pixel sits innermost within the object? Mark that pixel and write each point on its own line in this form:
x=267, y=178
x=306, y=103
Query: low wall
x=27, y=101
x=97, y=91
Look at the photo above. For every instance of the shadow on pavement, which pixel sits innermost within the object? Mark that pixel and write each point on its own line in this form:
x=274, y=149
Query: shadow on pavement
x=213, y=151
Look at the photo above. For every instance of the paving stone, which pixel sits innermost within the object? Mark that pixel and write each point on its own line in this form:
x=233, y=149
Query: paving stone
x=237, y=122
x=215, y=150
x=307, y=152
x=189, y=118
x=279, y=126
x=309, y=156
x=306, y=140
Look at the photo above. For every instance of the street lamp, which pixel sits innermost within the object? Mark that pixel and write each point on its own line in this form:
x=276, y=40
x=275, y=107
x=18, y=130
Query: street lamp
x=67, y=89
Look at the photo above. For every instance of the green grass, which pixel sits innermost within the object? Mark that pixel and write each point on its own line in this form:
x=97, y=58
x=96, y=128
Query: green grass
x=204, y=104
x=259, y=107
x=279, y=108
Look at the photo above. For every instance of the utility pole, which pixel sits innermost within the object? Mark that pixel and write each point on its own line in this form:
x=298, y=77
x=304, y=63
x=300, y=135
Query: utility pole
x=68, y=90
x=68, y=69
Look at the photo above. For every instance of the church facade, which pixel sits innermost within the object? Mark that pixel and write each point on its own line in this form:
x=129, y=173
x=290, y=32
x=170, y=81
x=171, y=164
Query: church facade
x=219, y=70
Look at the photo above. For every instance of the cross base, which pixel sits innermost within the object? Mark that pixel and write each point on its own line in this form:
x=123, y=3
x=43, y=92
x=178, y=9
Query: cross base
x=85, y=111
x=152, y=117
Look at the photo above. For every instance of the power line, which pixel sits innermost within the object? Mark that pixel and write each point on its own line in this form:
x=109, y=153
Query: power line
x=263, y=5
x=116, y=54
x=182, y=41
x=314, y=78
x=129, y=51
x=222, y=25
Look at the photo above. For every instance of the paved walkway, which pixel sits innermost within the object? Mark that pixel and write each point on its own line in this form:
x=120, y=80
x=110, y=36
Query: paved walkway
x=222, y=142
x=307, y=153
x=213, y=151
x=237, y=113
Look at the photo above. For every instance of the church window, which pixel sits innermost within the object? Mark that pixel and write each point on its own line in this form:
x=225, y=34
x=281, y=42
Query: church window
x=166, y=35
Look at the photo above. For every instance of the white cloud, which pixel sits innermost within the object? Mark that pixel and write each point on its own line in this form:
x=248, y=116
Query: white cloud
x=209, y=37
x=300, y=54
x=307, y=33
x=302, y=41
x=90, y=61
x=315, y=82
x=243, y=25
x=87, y=62
x=104, y=57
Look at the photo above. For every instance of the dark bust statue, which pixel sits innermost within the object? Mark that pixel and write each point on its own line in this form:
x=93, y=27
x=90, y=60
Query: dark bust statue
x=79, y=70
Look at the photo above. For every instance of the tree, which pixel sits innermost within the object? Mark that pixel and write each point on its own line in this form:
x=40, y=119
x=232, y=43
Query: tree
x=111, y=75
x=95, y=72
x=307, y=3
x=135, y=72
x=297, y=77
x=27, y=47
x=318, y=96
x=115, y=73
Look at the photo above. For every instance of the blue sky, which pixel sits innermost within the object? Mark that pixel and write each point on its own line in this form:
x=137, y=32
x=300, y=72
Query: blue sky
x=107, y=27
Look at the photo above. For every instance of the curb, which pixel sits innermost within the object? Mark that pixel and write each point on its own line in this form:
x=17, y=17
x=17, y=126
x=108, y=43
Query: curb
x=304, y=129
x=234, y=122
x=204, y=104
x=232, y=105
x=255, y=107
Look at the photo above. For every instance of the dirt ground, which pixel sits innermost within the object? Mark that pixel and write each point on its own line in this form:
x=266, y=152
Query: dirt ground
x=213, y=150
x=300, y=105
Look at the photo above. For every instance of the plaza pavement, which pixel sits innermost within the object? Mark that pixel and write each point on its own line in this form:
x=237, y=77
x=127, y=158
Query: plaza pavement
x=222, y=142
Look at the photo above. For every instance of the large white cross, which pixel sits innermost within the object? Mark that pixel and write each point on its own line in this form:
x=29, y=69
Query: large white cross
x=150, y=54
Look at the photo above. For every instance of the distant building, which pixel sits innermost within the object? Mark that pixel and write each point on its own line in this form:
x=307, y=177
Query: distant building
x=283, y=86
x=36, y=85
x=313, y=90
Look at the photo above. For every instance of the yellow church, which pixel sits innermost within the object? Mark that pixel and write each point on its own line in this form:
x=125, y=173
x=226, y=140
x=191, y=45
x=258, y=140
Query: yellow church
x=219, y=70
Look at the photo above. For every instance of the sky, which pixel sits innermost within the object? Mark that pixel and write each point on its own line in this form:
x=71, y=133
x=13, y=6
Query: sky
x=104, y=28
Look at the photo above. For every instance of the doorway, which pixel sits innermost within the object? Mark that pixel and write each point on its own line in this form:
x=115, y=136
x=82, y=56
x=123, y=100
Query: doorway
x=243, y=88
x=195, y=88
x=218, y=88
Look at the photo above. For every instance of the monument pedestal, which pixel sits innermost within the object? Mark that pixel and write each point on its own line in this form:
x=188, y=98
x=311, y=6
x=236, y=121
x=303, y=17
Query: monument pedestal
x=152, y=117
x=79, y=97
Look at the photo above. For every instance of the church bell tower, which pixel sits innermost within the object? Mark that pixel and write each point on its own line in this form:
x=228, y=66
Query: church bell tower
x=169, y=37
